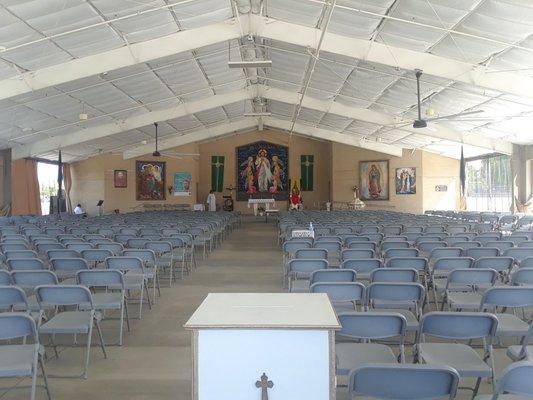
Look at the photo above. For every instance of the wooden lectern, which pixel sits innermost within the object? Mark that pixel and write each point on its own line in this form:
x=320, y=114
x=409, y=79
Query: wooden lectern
x=275, y=346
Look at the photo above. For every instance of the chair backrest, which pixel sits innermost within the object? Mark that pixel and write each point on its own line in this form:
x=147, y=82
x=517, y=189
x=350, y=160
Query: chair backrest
x=340, y=292
x=526, y=262
x=507, y=296
x=357, y=253
x=479, y=252
x=25, y=264
x=519, y=253
x=501, y=245
x=32, y=279
x=312, y=253
x=17, y=325
x=79, y=247
x=394, y=275
x=68, y=264
x=109, y=278
x=96, y=255
x=371, y=325
x=361, y=264
x=528, y=244
x=62, y=253
x=426, y=247
x=451, y=263
x=115, y=248
x=516, y=380
x=458, y=325
x=472, y=276
x=159, y=247
x=404, y=382
x=63, y=295
x=355, y=239
x=12, y=254
x=333, y=275
x=522, y=276
x=146, y=255
x=291, y=246
x=444, y=252
x=366, y=245
x=306, y=265
x=395, y=291
x=5, y=278
x=418, y=263
x=13, y=246
x=387, y=245
x=399, y=252
x=42, y=248
x=517, y=239
x=124, y=263
x=500, y=264
x=12, y=296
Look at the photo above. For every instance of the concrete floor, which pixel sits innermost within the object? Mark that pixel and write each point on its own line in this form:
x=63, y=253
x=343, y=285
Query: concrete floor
x=155, y=361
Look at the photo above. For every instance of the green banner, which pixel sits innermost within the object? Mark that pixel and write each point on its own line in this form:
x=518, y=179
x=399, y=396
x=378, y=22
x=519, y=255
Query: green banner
x=306, y=164
x=217, y=173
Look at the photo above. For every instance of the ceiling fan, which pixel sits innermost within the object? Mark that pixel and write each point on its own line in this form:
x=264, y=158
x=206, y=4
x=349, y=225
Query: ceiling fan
x=423, y=123
x=177, y=155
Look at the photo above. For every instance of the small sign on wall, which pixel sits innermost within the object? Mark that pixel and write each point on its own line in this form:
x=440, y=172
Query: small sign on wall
x=441, y=188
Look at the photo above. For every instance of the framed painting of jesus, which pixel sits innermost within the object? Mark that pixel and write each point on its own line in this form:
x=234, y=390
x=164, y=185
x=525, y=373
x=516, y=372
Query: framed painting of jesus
x=374, y=180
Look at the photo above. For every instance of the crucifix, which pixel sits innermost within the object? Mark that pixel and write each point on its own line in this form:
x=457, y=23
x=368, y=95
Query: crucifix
x=264, y=384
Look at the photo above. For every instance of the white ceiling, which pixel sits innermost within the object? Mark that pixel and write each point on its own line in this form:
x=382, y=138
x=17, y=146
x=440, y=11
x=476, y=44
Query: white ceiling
x=348, y=95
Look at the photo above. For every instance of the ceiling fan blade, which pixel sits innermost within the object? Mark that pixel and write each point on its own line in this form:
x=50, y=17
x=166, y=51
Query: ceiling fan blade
x=452, y=116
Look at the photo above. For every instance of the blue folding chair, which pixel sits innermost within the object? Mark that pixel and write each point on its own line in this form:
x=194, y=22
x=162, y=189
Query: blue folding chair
x=363, y=266
x=367, y=327
x=345, y=296
x=299, y=273
x=405, y=298
x=77, y=322
x=22, y=360
x=403, y=382
x=451, y=327
x=514, y=383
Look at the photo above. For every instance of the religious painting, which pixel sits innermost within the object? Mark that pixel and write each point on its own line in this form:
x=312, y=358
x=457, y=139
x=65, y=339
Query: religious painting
x=120, y=178
x=262, y=171
x=182, y=183
x=374, y=180
x=150, y=179
x=405, y=180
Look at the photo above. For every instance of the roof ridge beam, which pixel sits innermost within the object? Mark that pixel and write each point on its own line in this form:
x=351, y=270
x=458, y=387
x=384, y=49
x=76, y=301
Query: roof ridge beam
x=362, y=49
x=125, y=56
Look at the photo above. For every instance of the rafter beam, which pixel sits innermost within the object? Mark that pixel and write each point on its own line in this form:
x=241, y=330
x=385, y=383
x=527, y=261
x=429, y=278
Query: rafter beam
x=333, y=136
x=443, y=67
x=149, y=50
x=362, y=114
x=194, y=136
x=138, y=121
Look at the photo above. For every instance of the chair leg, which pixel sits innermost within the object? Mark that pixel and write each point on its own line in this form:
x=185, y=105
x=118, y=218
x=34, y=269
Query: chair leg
x=34, y=379
x=45, y=379
x=102, y=344
x=476, y=388
x=121, y=326
x=127, y=315
x=88, y=355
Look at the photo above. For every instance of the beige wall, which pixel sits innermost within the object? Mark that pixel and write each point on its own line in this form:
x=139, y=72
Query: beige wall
x=92, y=180
x=336, y=171
x=439, y=170
x=345, y=171
x=297, y=146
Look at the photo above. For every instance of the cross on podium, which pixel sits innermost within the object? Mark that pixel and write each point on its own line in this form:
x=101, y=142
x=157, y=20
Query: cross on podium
x=264, y=384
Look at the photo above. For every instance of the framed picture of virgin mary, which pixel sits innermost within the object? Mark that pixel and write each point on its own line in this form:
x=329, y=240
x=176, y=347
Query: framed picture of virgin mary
x=374, y=180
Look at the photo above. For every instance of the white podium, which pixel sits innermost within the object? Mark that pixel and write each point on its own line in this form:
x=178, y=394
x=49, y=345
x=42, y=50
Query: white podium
x=289, y=337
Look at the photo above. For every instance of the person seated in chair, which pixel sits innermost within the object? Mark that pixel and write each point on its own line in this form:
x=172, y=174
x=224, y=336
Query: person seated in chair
x=295, y=200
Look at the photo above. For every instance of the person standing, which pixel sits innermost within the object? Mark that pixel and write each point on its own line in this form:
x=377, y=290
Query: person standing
x=211, y=201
